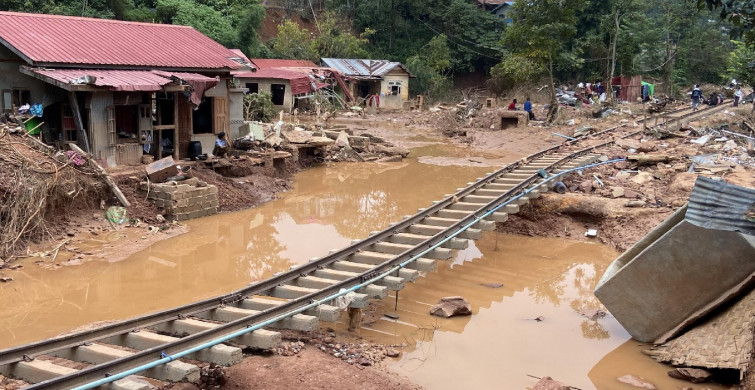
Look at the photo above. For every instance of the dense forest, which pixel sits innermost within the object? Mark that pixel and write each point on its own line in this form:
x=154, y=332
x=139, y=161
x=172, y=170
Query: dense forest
x=676, y=43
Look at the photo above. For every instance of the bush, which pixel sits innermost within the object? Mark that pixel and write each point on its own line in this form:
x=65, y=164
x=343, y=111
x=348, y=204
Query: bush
x=258, y=107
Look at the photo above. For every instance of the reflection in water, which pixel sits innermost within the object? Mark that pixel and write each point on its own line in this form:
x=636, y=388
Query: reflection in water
x=330, y=206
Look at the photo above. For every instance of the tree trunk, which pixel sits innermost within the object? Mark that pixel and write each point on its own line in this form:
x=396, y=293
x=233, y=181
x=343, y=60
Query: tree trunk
x=612, y=67
x=553, y=110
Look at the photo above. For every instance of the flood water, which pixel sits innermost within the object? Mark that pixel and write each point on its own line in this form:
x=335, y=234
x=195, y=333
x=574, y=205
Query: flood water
x=497, y=347
x=532, y=307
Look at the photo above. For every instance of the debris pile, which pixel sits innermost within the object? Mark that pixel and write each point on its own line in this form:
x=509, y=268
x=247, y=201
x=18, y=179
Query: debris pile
x=661, y=165
x=358, y=353
x=35, y=182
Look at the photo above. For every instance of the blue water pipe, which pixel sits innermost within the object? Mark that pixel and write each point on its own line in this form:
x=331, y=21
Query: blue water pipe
x=169, y=358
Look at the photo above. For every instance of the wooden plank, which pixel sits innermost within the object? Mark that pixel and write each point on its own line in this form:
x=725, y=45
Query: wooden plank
x=105, y=176
x=83, y=139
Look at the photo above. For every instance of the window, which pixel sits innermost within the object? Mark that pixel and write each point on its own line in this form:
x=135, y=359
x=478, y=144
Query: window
x=21, y=97
x=202, y=117
x=15, y=98
x=395, y=90
x=253, y=87
x=279, y=93
x=127, y=123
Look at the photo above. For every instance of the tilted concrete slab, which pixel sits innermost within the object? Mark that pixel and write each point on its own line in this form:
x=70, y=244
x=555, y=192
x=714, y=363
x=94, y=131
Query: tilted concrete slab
x=674, y=280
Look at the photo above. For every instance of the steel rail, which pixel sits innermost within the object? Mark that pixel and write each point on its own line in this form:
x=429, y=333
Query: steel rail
x=145, y=356
x=28, y=351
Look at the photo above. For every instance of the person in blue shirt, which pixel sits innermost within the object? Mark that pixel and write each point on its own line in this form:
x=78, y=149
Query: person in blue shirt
x=697, y=96
x=221, y=145
x=528, y=108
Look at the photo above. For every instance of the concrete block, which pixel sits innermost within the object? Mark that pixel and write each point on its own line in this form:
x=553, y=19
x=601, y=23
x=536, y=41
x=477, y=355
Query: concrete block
x=292, y=292
x=93, y=353
x=232, y=355
x=315, y=282
x=367, y=257
x=325, y=313
x=395, y=248
x=428, y=230
x=175, y=371
x=258, y=339
x=350, y=266
x=374, y=291
x=128, y=383
x=35, y=371
x=408, y=274
x=424, y=265
x=415, y=239
x=212, y=189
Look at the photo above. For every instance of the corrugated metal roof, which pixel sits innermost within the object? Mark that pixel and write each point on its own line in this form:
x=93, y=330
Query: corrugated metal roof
x=58, y=40
x=715, y=204
x=277, y=63
x=495, y=2
x=300, y=82
x=363, y=68
x=121, y=80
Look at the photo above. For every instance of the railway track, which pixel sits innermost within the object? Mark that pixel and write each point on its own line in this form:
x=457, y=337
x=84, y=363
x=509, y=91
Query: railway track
x=152, y=345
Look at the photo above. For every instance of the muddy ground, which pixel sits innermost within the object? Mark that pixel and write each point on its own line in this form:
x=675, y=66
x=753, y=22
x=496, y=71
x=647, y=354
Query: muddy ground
x=600, y=202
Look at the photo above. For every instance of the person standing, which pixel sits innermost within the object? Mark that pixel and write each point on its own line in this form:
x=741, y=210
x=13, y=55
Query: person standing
x=528, y=108
x=738, y=95
x=512, y=105
x=697, y=95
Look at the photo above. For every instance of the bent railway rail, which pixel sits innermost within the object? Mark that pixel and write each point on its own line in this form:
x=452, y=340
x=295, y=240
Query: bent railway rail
x=148, y=345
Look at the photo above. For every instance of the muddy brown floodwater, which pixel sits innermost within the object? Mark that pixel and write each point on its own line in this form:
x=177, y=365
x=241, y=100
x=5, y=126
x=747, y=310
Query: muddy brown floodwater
x=329, y=206
x=533, y=316
x=529, y=325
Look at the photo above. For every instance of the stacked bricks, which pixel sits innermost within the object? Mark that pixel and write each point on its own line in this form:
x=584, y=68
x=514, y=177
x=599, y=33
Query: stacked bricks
x=184, y=200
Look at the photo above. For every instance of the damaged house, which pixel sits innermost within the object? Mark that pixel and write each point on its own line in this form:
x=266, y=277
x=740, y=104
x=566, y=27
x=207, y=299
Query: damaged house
x=291, y=83
x=389, y=80
x=119, y=90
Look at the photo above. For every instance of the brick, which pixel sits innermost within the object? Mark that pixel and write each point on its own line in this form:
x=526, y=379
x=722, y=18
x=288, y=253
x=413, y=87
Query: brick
x=213, y=189
x=192, y=181
x=194, y=214
x=182, y=216
x=213, y=210
x=214, y=203
x=194, y=201
x=211, y=197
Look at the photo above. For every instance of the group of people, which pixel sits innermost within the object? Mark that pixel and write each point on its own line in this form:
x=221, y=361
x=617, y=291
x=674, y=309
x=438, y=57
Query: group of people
x=527, y=107
x=715, y=98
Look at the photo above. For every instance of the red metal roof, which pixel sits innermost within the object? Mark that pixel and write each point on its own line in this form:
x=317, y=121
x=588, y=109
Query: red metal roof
x=65, y=40
x=300, y=82
x=276, y=63
x=120, y=80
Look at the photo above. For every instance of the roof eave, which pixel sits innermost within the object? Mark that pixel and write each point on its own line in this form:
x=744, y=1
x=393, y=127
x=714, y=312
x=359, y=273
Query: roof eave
x=17, y=52
x=130, y=67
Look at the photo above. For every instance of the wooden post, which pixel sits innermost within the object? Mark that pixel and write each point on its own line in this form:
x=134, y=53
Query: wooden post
x=105, y=176
x=83, y=139
x=355, y=319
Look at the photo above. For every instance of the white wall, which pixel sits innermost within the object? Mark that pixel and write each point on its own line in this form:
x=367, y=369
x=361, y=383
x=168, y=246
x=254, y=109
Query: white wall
x=264, y=85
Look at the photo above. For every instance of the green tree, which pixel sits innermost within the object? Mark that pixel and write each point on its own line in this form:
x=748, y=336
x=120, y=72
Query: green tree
x=430, y=68
x=742, y=62
x=741, y=13
x=202, y=17
x=294, y=42
x=541, y=33
x=334, y=38
x=248, y=26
